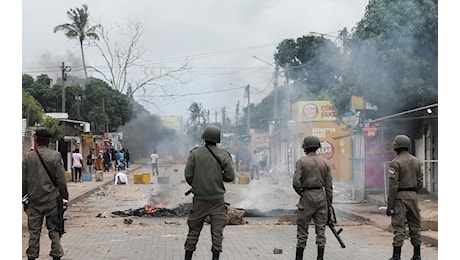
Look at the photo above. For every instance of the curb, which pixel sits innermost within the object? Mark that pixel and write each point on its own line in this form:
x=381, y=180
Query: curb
x=85, y=194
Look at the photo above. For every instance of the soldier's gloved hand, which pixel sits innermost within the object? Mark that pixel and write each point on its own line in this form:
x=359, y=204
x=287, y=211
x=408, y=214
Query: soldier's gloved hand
x=390, y=211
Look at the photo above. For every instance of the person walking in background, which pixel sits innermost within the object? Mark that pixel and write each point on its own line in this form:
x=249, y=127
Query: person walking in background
x=90, y=162
x=154, y=157
x=77, y=164
x=206, y=170
x=40, y=192
x=406, y=179
x=313, y=182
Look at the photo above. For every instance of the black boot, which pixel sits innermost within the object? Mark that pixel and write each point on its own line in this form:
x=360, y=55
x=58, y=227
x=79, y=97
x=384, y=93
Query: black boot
x=320, y=253
x=56, y=258
x=396, y=253
x=416, y=255
x=299, y=253
x=215, y=255
x=30, y=258
x=188, y=255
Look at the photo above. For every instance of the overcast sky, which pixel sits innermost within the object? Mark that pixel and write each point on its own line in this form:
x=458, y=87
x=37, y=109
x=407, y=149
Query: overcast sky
x=218, y=39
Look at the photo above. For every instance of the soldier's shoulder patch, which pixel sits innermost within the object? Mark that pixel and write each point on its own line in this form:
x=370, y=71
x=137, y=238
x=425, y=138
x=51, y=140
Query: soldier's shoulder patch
x=391, y=172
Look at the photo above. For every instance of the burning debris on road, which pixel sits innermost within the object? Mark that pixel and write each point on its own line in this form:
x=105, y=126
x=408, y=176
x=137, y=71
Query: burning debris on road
x=159, y=210
x=236, y=215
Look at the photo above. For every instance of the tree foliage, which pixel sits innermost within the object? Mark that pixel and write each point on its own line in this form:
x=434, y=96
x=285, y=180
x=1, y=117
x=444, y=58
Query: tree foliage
x=79, y=29
x=104, y=107
x=391, y=53
x=31, y=109
x=394, y=55
x=196, y=122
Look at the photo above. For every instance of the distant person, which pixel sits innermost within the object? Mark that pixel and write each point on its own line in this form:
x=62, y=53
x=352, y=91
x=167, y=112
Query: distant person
x=154, y=160
x=121, y=178
x=90, y=162
x=121, y=160
x=255, y=164
x=406, y=179
x=127, y=158
x=106, y=160
x=98, y=161
x=313, y=182
x=206, y=170
x=77, y=164
x=40, y=192
x=114, y=158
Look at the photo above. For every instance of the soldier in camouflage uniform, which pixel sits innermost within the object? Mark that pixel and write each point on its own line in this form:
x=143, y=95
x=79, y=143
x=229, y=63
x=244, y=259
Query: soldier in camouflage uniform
x=406, y=179
x=207, y=168
x=42, y=195
x=313, y=182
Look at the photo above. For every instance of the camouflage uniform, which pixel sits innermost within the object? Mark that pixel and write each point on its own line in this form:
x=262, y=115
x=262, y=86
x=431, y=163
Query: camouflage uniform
x=313, y=182
x=43, y=198
x=207, y=178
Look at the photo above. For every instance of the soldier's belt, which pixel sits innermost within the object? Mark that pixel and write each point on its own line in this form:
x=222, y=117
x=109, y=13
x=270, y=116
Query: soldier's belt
x=407, y=189
x=312, y=188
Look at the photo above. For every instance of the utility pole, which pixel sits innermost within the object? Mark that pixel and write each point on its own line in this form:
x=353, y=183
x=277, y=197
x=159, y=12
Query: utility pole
x=237, y=112
x=64, y=70
x=249, y=105
x=275, y=94
x=223, y=120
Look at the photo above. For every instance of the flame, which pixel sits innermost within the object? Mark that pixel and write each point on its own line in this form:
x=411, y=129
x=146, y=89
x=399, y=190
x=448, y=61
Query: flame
x=152, y=208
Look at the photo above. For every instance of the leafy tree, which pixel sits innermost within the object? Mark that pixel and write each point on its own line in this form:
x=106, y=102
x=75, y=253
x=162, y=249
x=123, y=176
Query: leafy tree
x=313, y=61
x=196, y=122
x=31, y=109
x=79, y=29
x=52, y=124
x=42, y=91
x=394, y=55
x=101, y=102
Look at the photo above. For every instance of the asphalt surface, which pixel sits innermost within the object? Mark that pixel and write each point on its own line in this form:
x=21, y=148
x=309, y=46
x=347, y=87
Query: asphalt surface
x=93, y=232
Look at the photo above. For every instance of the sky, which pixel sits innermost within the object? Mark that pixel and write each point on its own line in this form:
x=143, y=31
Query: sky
x=226, y=45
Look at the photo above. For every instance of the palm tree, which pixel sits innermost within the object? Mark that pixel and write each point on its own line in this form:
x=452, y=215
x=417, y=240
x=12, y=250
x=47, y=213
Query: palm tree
x=79, y=29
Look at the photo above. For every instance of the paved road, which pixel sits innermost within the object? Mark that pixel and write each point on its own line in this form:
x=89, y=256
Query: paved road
x=93, y=232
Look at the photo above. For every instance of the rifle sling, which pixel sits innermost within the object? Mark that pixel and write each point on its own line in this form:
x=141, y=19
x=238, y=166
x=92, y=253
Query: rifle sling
x=46, y=168
x=215, y=157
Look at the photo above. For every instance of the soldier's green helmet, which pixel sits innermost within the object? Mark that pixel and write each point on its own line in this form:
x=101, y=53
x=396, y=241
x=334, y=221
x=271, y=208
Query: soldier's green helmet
x=401, y=141
x=212, y=134
x=311, y=141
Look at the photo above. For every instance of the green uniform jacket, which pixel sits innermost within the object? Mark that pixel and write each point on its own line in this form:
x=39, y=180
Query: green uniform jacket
x=37, y=183
x=204, y=173
x=405, y=172
x=311, y=171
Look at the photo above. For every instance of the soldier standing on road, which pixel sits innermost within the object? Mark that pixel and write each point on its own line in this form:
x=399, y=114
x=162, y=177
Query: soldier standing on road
x=207, y=168
x=406, y=179
x=40, y=195
x=313, y=182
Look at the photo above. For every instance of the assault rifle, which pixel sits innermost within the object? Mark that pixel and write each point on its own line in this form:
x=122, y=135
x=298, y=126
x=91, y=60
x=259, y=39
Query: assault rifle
x=61, y=208
x=331, y=221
